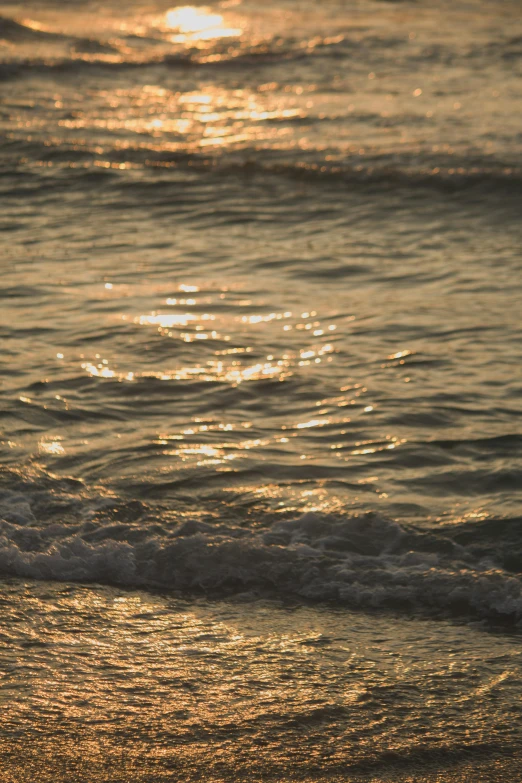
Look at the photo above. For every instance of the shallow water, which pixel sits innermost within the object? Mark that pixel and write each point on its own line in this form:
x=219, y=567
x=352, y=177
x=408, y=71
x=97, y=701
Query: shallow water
x=261, y=337
x=111, y=685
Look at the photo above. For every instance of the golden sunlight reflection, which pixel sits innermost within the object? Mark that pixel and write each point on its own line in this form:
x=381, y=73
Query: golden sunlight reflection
x=224, y=363
x=169, y=320
x=52, y=447
x=308, y=341
x=304, y=425
x=193, y=23
x=172, y=120
x=370, y=446
x=206, y=454
x=296, y=498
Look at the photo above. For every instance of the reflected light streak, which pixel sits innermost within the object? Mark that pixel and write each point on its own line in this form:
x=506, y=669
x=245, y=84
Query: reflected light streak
x=257, y=319
x=99, y=371
x=216, y=372
x=312, y=423
x=401, y=354
x=53, y=447
x=213, y=454
x=169, y=320
x=198, y=24
x=194, y=327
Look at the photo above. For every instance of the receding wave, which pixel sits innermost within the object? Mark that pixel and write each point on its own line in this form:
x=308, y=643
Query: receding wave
x=56, y=529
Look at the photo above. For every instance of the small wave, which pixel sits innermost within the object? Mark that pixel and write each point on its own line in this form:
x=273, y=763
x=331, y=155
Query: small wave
x=91, y=56
x=446, y=177
x=20, y=33
x=11, y=30
x=56, y=529
x=84, y=55
x=385, y=172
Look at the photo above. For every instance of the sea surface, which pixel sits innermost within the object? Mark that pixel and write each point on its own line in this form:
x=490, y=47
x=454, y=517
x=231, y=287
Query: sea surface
x=260, y=391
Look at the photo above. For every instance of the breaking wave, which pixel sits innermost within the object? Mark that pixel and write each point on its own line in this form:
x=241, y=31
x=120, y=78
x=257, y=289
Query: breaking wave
x=55, y=529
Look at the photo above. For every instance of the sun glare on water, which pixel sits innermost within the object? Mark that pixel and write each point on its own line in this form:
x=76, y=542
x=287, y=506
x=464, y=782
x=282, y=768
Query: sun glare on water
x=198, y=23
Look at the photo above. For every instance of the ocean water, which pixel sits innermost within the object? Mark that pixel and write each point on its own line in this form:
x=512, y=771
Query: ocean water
x=260, y=446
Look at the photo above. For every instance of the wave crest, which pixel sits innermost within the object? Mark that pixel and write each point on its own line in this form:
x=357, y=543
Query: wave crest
x=57, y=531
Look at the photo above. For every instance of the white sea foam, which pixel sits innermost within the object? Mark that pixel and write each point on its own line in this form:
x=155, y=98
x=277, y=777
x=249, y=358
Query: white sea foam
x=362, y=561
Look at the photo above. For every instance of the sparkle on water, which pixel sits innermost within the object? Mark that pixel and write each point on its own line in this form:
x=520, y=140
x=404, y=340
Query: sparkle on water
x=198, y=23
